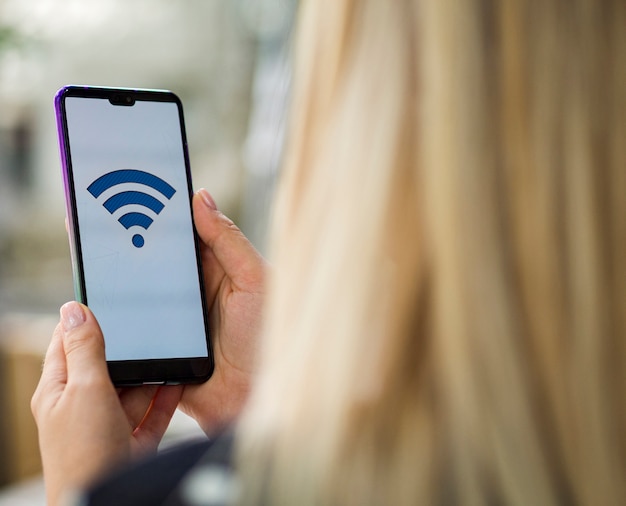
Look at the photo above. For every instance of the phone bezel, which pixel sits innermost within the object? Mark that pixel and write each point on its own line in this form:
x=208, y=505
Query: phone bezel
x=130, y=372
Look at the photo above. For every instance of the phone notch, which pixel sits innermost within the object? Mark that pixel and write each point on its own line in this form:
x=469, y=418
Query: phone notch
x=122, y=99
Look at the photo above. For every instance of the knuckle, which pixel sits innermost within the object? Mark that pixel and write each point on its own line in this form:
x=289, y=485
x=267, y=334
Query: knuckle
x=34, y=404
x=40, y=405
x=80, y=339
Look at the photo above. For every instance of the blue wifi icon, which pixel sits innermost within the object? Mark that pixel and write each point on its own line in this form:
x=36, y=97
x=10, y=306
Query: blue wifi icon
x=129, y=197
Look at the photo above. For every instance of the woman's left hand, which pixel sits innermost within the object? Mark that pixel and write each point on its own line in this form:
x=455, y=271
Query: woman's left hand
x=86, y=427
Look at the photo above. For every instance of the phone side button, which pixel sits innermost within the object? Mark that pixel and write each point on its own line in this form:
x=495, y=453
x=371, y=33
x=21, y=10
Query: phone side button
x=153, y=383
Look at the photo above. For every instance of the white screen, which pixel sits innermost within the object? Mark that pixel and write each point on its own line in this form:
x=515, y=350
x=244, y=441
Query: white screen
x=144, y=290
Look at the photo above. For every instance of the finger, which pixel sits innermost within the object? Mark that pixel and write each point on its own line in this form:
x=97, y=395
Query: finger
x=237, y=257
x=212, y=271
x=153, y=426
x=135, y=401
x=83, y=344
x=53, y=374
x=54, y=366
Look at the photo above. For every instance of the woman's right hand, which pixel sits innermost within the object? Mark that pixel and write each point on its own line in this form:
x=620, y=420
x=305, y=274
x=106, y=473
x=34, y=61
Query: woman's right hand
x=234, y=276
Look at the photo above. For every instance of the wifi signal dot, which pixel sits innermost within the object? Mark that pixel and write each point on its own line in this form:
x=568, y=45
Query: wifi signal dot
x=138, y=241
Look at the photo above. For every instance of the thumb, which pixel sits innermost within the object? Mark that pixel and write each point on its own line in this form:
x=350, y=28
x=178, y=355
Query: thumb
x=83, y=343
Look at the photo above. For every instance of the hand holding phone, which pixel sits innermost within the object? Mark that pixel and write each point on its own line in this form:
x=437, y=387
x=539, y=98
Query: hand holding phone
x=83, y=421
x=235, y=285
x=87, y=427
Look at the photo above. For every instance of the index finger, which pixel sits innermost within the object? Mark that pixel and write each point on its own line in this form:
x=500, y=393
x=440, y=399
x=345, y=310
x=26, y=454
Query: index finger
x=54, y=365
x=54, y=371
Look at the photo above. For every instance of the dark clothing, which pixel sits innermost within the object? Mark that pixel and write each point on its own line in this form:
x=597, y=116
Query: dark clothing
x=195, y=473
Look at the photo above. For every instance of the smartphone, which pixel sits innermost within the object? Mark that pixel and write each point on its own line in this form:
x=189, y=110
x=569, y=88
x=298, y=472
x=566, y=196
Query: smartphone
x=134, y=248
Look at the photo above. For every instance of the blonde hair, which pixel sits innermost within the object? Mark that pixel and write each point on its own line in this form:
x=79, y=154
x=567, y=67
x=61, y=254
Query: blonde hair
x=447, y=318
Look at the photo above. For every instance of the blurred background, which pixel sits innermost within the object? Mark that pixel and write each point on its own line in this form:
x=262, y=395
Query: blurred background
x=228, y=62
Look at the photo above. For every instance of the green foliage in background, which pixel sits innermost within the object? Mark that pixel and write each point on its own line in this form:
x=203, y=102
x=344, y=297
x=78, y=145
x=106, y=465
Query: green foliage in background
x=12, y=38
x=8, y=37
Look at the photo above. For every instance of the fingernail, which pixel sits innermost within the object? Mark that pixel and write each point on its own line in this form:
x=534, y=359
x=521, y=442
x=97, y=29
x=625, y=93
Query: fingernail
x=72, y=315
x=207, y=199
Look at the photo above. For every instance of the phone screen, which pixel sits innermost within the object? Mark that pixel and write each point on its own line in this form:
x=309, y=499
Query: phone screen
x=133, y=226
